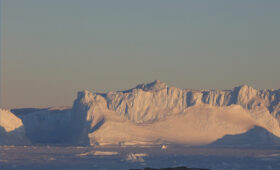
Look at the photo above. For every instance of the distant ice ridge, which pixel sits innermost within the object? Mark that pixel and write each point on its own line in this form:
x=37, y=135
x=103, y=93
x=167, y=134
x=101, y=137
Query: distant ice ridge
x=48, y=125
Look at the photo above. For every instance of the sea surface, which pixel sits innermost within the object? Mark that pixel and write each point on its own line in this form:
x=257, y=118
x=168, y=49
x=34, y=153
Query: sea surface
x=128, y=157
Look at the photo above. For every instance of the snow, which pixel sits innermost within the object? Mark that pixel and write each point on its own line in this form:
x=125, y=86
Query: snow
x=196, y=126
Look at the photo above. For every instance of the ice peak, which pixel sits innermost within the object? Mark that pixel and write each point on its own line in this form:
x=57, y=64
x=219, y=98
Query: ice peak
x=84, y=95
x=245, y=86
x=153, y=86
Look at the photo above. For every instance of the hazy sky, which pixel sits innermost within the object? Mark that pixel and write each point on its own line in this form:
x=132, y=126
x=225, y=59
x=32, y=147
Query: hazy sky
x=53, y=48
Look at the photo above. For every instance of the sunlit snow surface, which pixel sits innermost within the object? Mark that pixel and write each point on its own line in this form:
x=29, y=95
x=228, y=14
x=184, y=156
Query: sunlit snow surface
x=66, y=157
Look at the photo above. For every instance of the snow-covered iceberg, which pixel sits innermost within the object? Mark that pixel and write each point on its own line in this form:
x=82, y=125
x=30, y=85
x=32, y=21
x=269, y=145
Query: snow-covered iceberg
x=12, y=131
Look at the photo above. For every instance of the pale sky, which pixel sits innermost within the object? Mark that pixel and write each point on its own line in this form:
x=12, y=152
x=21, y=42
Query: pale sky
x=53, y=48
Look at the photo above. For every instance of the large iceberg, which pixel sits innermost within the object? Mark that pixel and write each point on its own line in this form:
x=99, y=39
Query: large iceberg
x=151, y=113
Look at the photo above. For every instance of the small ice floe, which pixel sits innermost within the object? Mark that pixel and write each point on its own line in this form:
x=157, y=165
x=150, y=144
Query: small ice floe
x=86, y=154
x=51, y=159
x=97, y=153
x=2, y=160
x=136, y=157
x=79, y=147
x=163, y=147
x=103, y=153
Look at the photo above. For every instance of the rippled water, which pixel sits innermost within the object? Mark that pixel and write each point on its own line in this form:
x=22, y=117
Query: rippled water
x=68, y=157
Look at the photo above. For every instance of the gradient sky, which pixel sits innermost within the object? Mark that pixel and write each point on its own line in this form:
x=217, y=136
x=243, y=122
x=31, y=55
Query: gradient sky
x=53, y=48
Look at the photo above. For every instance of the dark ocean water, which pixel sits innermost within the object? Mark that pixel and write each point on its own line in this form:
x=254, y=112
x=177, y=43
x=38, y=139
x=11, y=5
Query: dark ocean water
x=98, y=158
